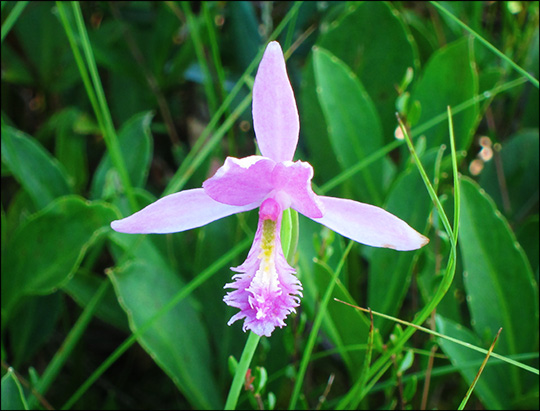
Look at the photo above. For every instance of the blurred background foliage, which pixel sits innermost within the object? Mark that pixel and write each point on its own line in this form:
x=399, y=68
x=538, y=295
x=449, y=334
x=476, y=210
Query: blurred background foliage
x=177, y=78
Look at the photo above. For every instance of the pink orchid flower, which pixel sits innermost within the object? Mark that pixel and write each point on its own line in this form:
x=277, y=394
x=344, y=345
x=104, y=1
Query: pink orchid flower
x=266, y=289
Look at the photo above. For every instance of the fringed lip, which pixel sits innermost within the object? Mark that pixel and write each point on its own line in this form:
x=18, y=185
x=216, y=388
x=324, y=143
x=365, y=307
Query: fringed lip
x=266, y=289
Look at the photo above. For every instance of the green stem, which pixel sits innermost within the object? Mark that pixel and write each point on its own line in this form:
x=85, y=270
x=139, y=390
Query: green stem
x=367, y=362
x=241, y=370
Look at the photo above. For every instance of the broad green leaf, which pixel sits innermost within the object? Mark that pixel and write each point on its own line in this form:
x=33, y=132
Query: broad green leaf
x=195, y=251
x=15, y=69
x=390, y=270
x=449, y=79
x=19, y=209
x=83, y=286
x=244, y=31
x=42, y=42
x=177, y=341
x=493, y=387
x=519, y=163
x=136, y=146
x=71, y=144
x=33, y=325
x=498, y=278
x=501, y=290
x=353, y=124
x=12, y=393
x=470, y=13
x=379, y=60
x=423, y=34
x=529, y=238
x=40, y=174
x=47, y=249
x=313, y=127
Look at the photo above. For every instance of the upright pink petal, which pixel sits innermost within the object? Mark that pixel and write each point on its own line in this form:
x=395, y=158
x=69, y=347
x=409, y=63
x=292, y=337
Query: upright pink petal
x=177, y=212
x=369, y=225
x=241, y=181
x=294, y=179
x=275, y=116
x=265, y=289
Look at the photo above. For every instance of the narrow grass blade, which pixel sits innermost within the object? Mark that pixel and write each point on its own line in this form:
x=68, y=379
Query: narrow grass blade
x=455, y=174
x=360, y=385
x=94, y=89
x=199, y=51
x=109, y=133
x=439, y=335
x=385, y=360
x=471, y=388
x=197, y=154
x=487, y=44
x=10, y=20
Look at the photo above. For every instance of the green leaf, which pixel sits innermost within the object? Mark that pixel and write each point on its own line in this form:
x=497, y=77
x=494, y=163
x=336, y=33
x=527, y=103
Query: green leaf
x=529, y=238
x=46, y=250
x=41, y=175
x=83, y=286
x=519, y=162
x=136, y=146
x=501, y=290
x=71, y=144
x=244, y=32
x=33, y=325
x=42, y=42
x=177, y=341
x=15, y=69
x=499, y=280
x=379, y=61
x=448, y=80
x=12, y=393
x=353, y=124
x=314, y=129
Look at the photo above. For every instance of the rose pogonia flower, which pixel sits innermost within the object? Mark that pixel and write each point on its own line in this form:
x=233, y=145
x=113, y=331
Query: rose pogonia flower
x=265, y=288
